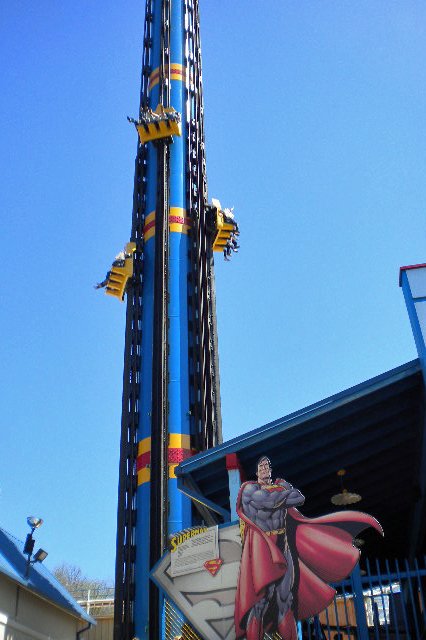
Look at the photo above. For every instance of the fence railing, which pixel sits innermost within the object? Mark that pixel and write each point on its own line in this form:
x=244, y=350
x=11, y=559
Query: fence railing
x=392, y=598
x=385, y=601
x=98, y=602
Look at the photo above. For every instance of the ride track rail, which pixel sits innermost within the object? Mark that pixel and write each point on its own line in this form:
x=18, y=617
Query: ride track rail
x=160, y=375
x=204, y=350
x=127, y=483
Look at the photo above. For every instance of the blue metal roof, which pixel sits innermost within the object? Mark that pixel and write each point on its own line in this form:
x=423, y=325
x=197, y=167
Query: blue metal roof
x=13, y=564
x=271, y=429
x=375, y=430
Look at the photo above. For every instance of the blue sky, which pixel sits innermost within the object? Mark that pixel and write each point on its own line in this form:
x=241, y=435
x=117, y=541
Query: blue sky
x=315, y=132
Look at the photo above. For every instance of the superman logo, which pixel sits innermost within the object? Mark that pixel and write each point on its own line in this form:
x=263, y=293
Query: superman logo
x=213, y=566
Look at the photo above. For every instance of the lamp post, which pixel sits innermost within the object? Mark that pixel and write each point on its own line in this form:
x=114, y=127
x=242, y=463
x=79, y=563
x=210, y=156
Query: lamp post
x=40, y=555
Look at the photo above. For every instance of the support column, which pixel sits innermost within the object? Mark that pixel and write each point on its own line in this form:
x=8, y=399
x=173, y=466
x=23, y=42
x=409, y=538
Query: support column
x=413, y=282
x=361, y=618
x=235, y=479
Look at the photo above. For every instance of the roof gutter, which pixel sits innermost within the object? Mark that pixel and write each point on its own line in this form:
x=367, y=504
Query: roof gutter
x=77, y=635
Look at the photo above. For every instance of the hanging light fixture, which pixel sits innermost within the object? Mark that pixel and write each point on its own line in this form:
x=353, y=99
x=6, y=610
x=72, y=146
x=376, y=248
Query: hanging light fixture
x=345, y=497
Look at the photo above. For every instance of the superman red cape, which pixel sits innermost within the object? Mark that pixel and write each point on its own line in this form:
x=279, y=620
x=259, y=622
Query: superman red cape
x=322, y=551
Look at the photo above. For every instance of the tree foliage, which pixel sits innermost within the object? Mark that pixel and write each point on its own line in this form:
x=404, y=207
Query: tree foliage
x=81, y=587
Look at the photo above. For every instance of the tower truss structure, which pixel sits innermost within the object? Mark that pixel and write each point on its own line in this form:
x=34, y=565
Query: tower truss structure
x=171, y=394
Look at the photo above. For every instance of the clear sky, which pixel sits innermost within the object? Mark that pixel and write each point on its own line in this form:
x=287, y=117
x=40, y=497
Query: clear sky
x=315, y=125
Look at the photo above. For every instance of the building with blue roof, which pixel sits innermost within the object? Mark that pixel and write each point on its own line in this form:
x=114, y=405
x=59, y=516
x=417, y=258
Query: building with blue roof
x=33, y=603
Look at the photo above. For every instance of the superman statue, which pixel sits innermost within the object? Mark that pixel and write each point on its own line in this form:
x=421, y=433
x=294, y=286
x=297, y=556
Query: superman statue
x=287, y=559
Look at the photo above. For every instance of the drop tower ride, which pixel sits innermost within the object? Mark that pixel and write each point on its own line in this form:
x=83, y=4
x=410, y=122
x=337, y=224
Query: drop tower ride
x=171, y=399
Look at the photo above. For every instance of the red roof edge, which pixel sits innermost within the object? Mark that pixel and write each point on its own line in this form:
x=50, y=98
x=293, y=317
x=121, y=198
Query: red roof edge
x=413, y=266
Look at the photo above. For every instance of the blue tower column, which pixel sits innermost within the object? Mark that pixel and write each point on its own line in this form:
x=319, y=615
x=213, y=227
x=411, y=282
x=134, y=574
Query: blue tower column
x=178, y=389
x=178, y=421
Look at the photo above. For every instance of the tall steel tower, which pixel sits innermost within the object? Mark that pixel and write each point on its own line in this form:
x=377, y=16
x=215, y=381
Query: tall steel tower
x=171, y=400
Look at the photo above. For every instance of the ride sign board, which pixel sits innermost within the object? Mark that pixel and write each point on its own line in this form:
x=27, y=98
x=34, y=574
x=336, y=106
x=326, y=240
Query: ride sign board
x=191, y=549
x=205, y=595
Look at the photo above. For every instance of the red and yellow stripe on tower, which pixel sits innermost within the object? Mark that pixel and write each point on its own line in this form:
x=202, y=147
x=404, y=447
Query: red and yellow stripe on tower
x=179, y=449
x=178, y=222
x=176, y=71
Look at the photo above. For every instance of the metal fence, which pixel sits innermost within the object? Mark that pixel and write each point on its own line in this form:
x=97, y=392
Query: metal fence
x=98, y=602
x=385, y=601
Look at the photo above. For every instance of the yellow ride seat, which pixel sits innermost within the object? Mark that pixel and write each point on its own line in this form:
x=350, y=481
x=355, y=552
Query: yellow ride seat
x=223, y=227
x=164, y=122
x=119, y=276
